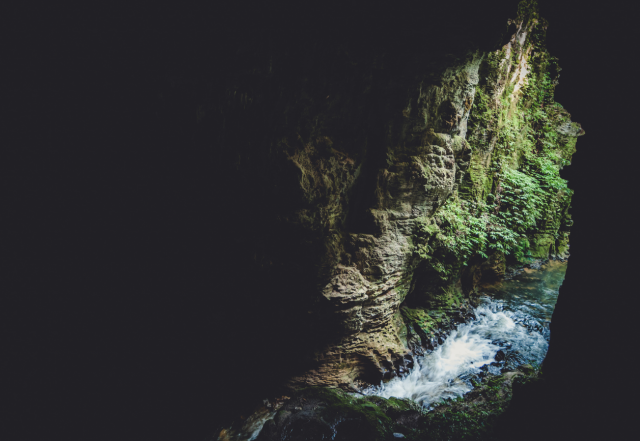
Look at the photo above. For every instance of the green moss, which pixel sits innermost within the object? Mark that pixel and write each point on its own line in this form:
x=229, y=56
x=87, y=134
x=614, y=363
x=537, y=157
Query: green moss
x=446, y=298
x=403, y=286
x=541, y=245
x=341, y=406
x=477, y=415
x=375, y=417
x=418, y=317
x=562, y=244
x=512, y=199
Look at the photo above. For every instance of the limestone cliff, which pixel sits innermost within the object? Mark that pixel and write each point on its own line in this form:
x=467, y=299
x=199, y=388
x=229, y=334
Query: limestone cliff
x=396, y=186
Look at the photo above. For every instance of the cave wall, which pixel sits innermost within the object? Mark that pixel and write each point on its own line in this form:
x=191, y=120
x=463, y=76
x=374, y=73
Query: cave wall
x=378, y=178
x=134, y=219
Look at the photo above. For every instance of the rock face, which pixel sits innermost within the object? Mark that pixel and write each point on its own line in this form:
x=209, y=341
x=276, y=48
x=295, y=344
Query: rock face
x=322, y=413
x=395, y=187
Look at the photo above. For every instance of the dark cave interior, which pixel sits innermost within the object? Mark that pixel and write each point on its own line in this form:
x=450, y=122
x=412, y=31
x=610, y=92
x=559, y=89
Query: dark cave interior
x=134, y=308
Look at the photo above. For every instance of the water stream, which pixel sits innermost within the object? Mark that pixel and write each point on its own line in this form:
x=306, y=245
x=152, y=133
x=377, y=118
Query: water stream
x=510, y=328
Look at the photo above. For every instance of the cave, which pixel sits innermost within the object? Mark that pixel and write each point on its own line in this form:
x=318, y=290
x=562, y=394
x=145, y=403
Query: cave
x=203, y=201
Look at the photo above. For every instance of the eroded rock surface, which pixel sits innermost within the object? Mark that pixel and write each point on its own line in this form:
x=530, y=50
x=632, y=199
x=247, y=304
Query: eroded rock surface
x=397, y=190
x=323, y=413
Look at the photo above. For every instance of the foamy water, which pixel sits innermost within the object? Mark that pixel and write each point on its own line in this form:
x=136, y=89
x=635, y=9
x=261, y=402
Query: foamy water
x=514, y=320
x=441, y=374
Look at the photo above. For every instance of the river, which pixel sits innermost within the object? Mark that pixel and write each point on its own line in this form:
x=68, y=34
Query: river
x=510, y=328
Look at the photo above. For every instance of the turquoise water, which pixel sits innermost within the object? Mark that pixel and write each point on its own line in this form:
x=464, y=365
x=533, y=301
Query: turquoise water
x=510, y=328
x=534, y=291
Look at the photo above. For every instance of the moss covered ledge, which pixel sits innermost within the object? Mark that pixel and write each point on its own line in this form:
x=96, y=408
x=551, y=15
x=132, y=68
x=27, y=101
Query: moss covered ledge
x=318, y=413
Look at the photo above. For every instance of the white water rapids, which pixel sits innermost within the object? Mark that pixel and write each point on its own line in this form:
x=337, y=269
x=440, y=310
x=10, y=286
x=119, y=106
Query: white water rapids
x=441, y=374
x=511, y=325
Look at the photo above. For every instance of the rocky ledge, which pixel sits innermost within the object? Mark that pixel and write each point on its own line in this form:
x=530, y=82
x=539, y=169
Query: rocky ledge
x=390, y=187
x=318, y=413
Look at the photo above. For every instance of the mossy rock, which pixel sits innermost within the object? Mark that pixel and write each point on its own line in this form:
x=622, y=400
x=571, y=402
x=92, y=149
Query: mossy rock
x=323, y=413
x=540, y=245
x=419, y=322
x=318, y=413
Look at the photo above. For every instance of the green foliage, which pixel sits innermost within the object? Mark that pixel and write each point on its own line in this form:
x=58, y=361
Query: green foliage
x=521, y=201
x=519, y=197
x=419, y=317
x=370, y=410
x=452, y=296
x=461, y=230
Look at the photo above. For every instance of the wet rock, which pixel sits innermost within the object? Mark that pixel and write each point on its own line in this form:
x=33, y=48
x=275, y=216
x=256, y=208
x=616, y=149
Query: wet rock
x=362, y=255
x=268, y=430
x=526, y=369
x=409, y=361
x=330, y=414
x=537, y=264
x=512, y=360
x=308, y=429
x=494, y=268
x=512, y=272
x=350, y=430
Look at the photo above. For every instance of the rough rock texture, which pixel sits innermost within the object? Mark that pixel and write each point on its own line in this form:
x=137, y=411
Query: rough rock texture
x=323, y=413
x=399, y=183
x=320, y=413
x=142, y=206
x=368, y=274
